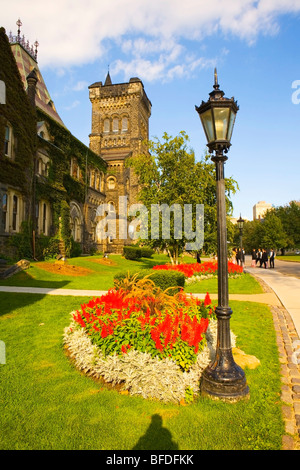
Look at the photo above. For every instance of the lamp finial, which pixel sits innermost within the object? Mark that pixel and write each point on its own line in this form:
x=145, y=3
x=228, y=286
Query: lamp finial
x=216, y=85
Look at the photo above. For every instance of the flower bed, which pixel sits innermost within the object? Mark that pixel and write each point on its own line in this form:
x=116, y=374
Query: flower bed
x=208, y=268
x=154, y=345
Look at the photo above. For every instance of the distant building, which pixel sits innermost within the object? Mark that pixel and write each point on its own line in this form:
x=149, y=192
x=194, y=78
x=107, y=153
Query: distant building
x=260, y=209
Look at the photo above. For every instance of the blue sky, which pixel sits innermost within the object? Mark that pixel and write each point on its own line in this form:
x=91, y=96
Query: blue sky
x=173, y=47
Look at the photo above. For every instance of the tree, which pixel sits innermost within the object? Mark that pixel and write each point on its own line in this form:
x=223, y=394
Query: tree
x=290, y=219
x=169, y=177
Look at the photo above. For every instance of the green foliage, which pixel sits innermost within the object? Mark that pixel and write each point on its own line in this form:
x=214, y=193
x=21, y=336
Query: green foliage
x=76, y=249
x=162, y=279
x=170, y=175
x=132, y=252
x=52, y=249
x=146, y=252
x=22, y=241
x=21, y=116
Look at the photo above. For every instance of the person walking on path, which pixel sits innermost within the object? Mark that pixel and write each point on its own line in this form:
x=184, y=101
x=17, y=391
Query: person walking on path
x=259, y=257
x=272, y=257
x=254, y=259
x=264, y=259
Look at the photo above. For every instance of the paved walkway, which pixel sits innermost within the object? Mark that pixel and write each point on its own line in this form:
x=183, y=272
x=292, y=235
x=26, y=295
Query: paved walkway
x=282, y=294
x=286, y=317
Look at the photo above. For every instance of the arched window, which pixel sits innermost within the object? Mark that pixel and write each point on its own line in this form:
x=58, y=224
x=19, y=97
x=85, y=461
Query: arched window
x=97, y=185
x=115, y=125
x=106, y=126
x=111, y=183
x=92, y=178
x=124, y=124
x=111, y=207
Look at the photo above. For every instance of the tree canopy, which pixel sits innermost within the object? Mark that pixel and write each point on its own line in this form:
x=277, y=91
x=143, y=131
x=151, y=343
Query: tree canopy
x=170, y=177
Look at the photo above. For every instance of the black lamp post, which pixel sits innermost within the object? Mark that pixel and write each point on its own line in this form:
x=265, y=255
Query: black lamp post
x=223, y=378
x=240, y=223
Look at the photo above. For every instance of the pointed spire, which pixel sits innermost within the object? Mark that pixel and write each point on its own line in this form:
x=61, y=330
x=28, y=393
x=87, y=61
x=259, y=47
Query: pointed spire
x=108, y=79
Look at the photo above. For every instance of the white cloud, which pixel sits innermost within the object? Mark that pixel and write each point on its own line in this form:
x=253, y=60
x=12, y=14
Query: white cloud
x=81, y=85
x=73, y=32
x=72, y=105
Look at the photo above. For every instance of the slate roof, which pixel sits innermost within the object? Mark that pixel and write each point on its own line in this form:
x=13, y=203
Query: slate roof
x=26, y=64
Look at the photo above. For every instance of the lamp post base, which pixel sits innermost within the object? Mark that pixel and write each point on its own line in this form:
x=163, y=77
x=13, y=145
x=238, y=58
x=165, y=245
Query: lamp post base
x=224, y=379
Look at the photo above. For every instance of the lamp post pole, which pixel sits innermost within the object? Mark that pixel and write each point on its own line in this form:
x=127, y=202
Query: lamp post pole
x=223, y=378
x=241, y=226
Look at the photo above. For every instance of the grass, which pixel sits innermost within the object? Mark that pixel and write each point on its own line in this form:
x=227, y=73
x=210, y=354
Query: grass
x=101, y=277
x=289, y=258
x=47, y=404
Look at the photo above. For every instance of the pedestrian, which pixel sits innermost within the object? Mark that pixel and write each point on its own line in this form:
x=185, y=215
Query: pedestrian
x=254, y=259
x=198, y=258
x=241, y=256
x=259, y=257
x=272, y=257
x=264, y=259
x=237, y=257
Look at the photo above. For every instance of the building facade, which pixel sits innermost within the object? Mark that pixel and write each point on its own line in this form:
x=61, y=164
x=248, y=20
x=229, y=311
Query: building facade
x=120, y=130
x=51, y=184
x=50, y=179
x=260, y=208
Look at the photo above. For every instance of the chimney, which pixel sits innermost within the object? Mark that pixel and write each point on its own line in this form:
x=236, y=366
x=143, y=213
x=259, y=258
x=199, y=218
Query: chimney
x=31, y=89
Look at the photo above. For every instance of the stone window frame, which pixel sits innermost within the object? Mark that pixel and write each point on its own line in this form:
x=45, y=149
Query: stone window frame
x=113, y=180
x=4, y=212
x=8, y=147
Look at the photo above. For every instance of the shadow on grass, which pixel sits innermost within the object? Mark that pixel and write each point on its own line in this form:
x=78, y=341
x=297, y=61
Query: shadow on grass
x=22, y=299
x=156, y=437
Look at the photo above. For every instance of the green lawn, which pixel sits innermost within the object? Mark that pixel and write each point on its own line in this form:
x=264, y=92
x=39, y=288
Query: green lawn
x=101, y=276
x=289, y=258
x=47, y=404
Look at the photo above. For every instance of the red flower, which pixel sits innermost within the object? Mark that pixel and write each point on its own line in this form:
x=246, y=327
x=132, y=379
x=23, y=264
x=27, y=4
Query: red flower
x=207, y=300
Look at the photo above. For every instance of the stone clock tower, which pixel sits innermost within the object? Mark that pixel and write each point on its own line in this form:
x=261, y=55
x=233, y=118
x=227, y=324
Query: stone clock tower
x=120, y=128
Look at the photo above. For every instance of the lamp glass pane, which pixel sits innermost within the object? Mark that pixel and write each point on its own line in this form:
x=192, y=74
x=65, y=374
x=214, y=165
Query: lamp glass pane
x=221, y=122
x=231, y=124
x=207, y=123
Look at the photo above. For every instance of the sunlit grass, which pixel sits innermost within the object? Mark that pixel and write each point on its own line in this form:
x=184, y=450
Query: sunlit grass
x=47, y=404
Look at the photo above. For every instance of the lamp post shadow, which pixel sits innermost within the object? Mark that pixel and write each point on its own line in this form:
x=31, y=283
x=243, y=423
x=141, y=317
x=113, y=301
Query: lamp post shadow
x=156, y=437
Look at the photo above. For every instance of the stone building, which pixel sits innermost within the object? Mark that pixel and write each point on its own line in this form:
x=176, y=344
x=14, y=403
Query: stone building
x=47, y=176
x=120, y=130
x=50, y=177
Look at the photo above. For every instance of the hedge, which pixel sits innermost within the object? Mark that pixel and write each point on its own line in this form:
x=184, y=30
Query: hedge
x=162, y=279
x=132, y=252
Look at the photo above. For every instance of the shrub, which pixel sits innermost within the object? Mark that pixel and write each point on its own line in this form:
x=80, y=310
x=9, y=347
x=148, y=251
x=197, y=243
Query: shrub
x=146, y=252
x=132, y=252
x=162, y=279
x=76, y=249
x=52, y=249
